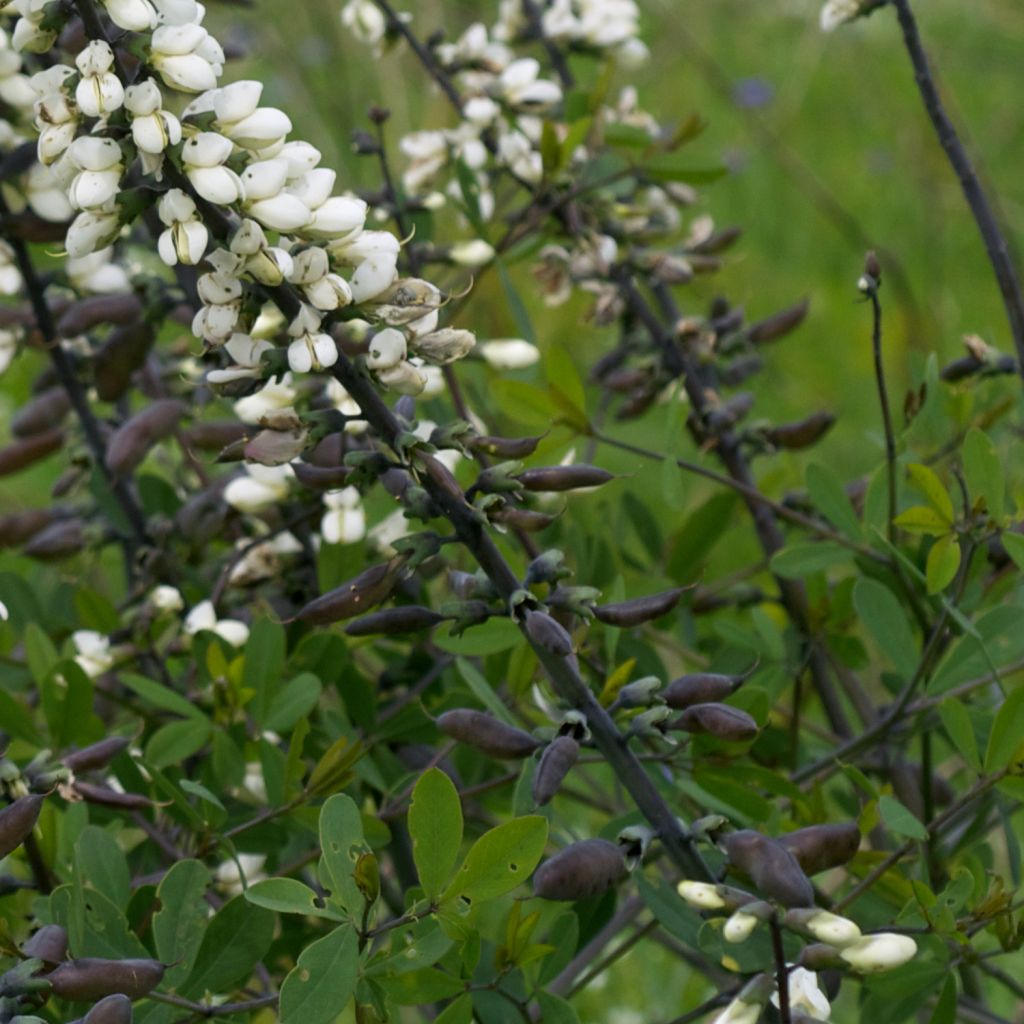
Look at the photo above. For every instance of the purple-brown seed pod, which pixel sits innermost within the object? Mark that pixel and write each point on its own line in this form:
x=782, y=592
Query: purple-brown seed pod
x=41, y=413
x=581, y=870
x=28, y=450
x=92, y=978
x=505, y=447
x=49, y=944
x=718, y=720
x=408, y=618
x=124, y=352
x=31, y=228
x=640, y=609
x=774, y=327
x=212, y=436
x=18, y=527
x=555, y=763
x=520, y=518
x=700, y=688
x=114, y=1009
x=132, y=441
x=821, y=847
x=563, y=478
x=85, y=314
x=775, y=872
x=17, y=821
x=487, y=734
x=362, y=592
x=104, y=796
x=96, y=755
x=802, y=433
x=58, y=540
x=549, y=634
x=321, y=478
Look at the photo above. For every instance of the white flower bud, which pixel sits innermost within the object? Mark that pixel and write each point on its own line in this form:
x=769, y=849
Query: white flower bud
x=248, y=239
x=404, y=378
x=185, y=242
x=702, y=895
x=237, y=101
x=207, y=149
x=314, y=187
x=260, y=129
x=282, y=212
x=364, y=20
x=475, y=253
x=387, y=349
x=445, y=346
x=131, y=15
x=91, y=230
x=166, y=598
x=739, y=926
x=337, y=216
x=312, y=352
x=509, y=353
x=264, y=179
x=373, y=276
x=301, y=157
x=142, y=99
x=833, y=929
x=884, y=951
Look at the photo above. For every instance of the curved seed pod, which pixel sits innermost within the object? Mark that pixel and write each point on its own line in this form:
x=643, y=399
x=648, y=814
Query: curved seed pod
x=213, y=435
x=581, y=870
x=726, y=320
x=520, y=518
x=106, y=797
x=802, y=433
x=700, y=688
x=409, y=618
x=774, y=871
x=131, y=442
x=549, y=634
x=321, y=478
x=487, y=734
x=114, y=1009
x=627, y=378
x=774, y=327
x=555, y=763
x=719, y=720
x=730, y=412
x=364, y=591
x=563, y=478
x=739, y=369
x=639, y=610
x=91, y=978
x=28, y=450
x=84, y=315
x=49, y=944
x=42, y=413
x=820, y=847
x=505, y=447
x=96, y=755
x=18, y=527
x=719, y=241
x=17, y=822
x=123, y=353
x=58, y=540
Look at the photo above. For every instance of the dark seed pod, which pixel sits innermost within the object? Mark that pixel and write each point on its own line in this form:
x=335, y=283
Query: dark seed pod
x=214, y=435
x=96, y=755
x=627, y=379
x=638, y=403
x=487, y=734
x=17, y=821
x=49, y=944
x=58, y=540
x=820, y=847
x=774, y=327
x=132, y=441
x=106, y=797
x=409, y=618
x=114, y=1009
x=29, y=450
x=639, y=610
x=555, y=763
x=718, y=720
x=584, y=869
x=700, y=688
x=719, y=241
x=520, y=518
x=367, y=589
x=730, y=412
x=321, y=478
x=84, y=315
x=328, y=453
x=123, y=353
x=801, y=434
x=30, y=228
x=775, y=872
x=18, y=527
x=505, y=447
x=42, y=413
x=91, y=978
x=563, y=478
x=549, y=634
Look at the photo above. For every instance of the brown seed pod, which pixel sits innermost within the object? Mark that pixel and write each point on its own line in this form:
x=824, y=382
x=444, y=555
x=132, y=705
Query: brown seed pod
x=408, y=618
x=520, y=518
x=718, y=720
x=555, y=763
x=132, y=441
x=505, y=447
x=775, y=872
x=321, y=478
x=18, y=527
x=820, y=847
x=58, y=540
x=29, y=450
x=84, y=315
x=548, y=634
x=91, y=978
x=114, y=1009
x=729, y=412
x=774, y=327
x=487, y=734
x=639, y=610
x=564, y=478
x=627, y=379
x=719, y=241
x=802, y=433
x=213, y=435
x=106, y=797
x=49, y=944
x=581, y=870
x=96, y=755
x=362, y=592
x=123, y=353
x=17, y=821
x=700, y=688
x=638, y=402
x=42, y=413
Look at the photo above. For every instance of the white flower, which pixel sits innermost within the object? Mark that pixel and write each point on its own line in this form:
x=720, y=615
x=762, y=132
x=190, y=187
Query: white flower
x=880, y=952
x=344, y=522
x=186, y=56
x=203, y=156
x=93, y=652
x=831, y=928
x=702, y=895
x=153, y=129
x=8, y=348
x=387, y=349
x=4, y=613
x=132, y=15
x=804, y=994
x=186, y=237
x=312, y=352
x=509, y=353
x=520, y=86
x=444, y=346
x=92, y=230
x=364, y=20
x=99, y=91
x=273, y=396
x=838, y=12
x=739, y=926
x=166, y=598
x=475, y=253
x=404, y=377
x=259, y=488
x=97, y=273
x=204, y=617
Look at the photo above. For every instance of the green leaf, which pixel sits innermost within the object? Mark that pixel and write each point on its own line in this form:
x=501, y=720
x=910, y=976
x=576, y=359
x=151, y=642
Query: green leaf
x=934, y=491
x=102, y=865
x=296, y=699
x=288, y=896
x=342, y=844
x=983, y=471
x=520, y=314
x=40, y=653
x=899, y=819
x=957, y=722
x=176, y=741
x=435, y=825
x=943, y=562
x=831, y=500
x=428, y=985
x=319, y=987
x=491, y=637
x=181, y=921
x=160, y=696
x=264, y=662
x=554, y=1010
x=237, y=938
x=997, y=640
x=482, y=690
x=945, y=1007
x=458, y=1011
x=103, y=929
x=803, y=558
x=499, y=860
x=1014, y=544
x=885, y=619
x=1007, y=735
x=922, y=519
x=523, y=403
